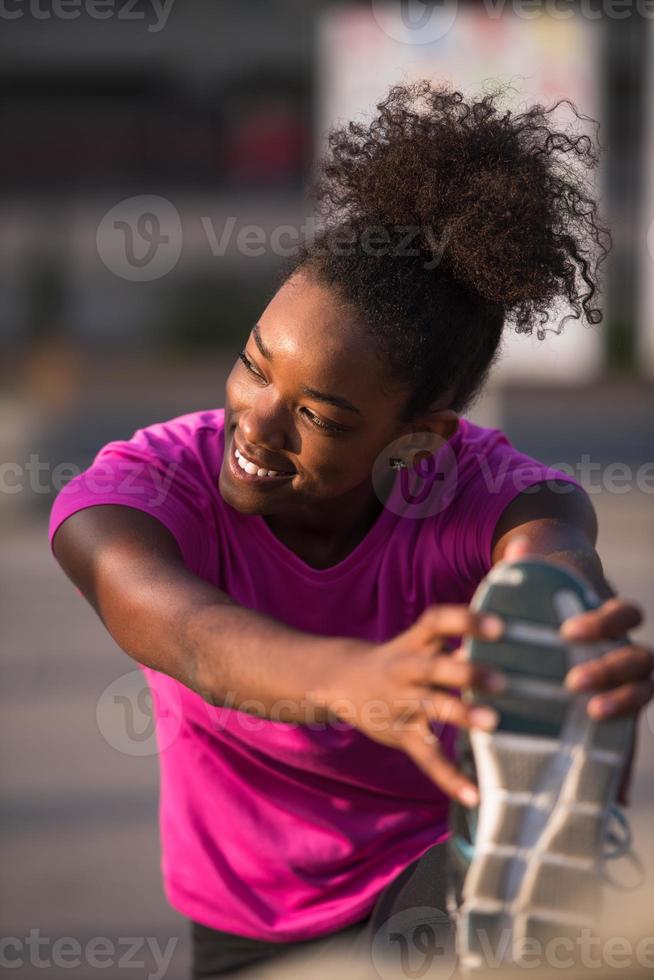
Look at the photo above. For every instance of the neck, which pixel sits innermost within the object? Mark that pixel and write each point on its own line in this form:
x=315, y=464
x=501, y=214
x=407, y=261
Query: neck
x=337, y=524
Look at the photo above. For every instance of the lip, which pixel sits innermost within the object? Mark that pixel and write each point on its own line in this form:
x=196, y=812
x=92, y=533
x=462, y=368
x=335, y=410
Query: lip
x=244, y=477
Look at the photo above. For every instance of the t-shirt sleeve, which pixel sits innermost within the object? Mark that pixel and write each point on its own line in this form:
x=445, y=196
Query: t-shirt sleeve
x=156, y=471
x=492, y=474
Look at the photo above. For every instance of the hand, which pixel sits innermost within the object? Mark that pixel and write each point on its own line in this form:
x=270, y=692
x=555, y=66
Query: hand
x=393, y=692
x=625, y=671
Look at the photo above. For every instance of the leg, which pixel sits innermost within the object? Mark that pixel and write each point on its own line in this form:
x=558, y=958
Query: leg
x=215, y=952
x=409, y=928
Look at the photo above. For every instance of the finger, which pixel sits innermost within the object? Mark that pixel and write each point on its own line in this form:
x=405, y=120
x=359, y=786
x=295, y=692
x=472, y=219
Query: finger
x=446, y=671
x=610, y=621
x=444, y=709
x=625, y=700
x=519, y=547
x=630, y=663
x=440, y=622
x=423, y=748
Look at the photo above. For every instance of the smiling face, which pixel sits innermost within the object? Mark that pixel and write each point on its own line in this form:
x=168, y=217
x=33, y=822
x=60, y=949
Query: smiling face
x=309, y=400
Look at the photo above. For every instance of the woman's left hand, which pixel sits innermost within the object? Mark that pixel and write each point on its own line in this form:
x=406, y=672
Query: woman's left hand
x=623, y=677
x=624, y=674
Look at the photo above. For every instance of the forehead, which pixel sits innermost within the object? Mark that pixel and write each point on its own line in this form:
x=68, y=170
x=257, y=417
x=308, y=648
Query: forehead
x=308, y=327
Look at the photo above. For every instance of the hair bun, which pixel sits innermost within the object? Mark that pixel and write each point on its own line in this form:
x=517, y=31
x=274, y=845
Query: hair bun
x=499, y=199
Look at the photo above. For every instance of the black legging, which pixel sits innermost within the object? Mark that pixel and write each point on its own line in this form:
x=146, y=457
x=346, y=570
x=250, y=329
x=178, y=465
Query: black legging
x=408, y=926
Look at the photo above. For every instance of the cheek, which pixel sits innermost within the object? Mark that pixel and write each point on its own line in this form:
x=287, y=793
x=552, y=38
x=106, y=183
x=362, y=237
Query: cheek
x=332, y=465
x=234, y=389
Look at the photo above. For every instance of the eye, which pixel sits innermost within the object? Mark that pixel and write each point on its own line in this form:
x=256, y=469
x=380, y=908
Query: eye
x=249, y=365
x=314, y=420
x=320, y=424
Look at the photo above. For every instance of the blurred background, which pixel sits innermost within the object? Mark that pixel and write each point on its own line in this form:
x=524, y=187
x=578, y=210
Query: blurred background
x=154, y=162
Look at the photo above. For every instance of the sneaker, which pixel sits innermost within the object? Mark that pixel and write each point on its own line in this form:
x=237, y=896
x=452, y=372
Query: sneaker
x=526, y=866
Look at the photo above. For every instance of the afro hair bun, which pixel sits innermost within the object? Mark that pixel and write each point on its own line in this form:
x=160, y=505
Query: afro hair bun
x=502, y=198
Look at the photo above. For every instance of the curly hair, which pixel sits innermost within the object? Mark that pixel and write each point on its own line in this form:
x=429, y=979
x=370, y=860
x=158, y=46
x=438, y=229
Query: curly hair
x=445, y=218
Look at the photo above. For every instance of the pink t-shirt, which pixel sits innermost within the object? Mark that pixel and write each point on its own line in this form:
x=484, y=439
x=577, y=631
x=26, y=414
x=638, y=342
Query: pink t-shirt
x=285, y=832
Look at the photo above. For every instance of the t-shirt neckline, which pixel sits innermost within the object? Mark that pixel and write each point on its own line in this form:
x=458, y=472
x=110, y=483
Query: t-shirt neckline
x=386, y=521
x=381, y=528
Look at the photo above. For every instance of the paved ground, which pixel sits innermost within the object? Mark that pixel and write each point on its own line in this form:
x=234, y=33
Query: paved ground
x=80, y=848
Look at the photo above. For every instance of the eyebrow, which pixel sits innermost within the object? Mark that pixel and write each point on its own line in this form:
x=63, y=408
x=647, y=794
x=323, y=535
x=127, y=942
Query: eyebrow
x=319, y=396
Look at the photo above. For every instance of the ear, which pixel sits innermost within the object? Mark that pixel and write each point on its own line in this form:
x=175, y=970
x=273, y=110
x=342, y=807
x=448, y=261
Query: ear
x=442, y=421
x=418, y=434
x=446, y=422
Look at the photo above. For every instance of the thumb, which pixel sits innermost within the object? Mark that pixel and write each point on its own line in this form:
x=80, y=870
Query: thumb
x=517, y=548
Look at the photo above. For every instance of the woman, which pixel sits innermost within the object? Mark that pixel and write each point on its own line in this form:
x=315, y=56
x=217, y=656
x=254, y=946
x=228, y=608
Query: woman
x=292, y=597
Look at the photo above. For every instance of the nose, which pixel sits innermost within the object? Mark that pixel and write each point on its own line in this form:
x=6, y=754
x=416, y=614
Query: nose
x=263, y=427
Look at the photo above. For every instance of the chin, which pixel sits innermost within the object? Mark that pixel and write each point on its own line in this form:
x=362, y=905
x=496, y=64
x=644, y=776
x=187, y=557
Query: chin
x=239, y=498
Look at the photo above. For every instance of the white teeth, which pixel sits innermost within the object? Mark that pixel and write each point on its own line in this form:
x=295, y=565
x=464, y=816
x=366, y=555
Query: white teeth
x=252, y=468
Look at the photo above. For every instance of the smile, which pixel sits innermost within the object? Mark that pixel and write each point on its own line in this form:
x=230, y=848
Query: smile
x=249, y=471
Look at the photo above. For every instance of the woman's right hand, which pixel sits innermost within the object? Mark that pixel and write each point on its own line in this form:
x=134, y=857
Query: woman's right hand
x=395, y=691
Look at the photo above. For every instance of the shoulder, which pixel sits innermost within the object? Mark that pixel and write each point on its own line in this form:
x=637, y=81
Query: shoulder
x=520, y=491
x=191, y=431
x=488, y=475
x=489, y=465
x=191, y=444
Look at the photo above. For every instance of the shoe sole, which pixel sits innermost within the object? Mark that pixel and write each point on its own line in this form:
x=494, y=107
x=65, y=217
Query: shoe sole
x=546, y=775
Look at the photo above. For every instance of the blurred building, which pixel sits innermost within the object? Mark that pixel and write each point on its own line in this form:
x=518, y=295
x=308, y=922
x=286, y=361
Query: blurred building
x=219, y=108
x=154, y=171
x=211, y=111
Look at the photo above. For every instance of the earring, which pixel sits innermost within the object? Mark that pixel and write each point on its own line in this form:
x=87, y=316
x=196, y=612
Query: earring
x=396, y=464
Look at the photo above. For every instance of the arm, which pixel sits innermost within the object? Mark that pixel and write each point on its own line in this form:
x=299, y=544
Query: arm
x=129, y=567
x=563, y=528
